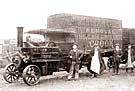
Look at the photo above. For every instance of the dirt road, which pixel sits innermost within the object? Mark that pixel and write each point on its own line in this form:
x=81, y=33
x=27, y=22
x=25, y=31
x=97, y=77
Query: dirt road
x=57, y=82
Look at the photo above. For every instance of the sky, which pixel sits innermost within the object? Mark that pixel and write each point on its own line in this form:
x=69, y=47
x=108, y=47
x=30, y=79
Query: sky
x=32, y=14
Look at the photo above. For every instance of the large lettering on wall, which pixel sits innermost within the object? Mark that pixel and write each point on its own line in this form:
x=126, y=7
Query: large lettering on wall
x=101, y=43
x=105, y=38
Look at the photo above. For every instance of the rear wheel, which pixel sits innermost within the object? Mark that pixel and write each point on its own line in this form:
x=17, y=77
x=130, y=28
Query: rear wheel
x=11, y=73
x=31, y=75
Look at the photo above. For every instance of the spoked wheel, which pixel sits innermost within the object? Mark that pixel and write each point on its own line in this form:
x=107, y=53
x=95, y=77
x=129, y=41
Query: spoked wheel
x=31, y=75
x=11, y=73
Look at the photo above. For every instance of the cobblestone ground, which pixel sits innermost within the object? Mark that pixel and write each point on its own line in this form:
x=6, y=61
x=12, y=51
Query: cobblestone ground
x=57, y=82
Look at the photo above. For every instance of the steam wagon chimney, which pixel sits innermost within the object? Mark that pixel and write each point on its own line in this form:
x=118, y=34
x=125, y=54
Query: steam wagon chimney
x=19, y=36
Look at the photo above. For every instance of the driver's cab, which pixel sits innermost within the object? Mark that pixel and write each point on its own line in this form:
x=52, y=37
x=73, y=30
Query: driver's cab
x=50, y=38
x=34, y=40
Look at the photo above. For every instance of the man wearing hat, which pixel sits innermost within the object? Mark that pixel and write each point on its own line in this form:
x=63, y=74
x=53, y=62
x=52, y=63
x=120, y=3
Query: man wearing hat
x=75, y=55
x=116, y=59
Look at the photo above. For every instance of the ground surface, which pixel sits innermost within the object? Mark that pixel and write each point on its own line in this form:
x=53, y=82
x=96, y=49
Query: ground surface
x=57, y=82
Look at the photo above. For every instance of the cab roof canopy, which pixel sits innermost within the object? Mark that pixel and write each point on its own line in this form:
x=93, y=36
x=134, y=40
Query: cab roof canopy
x=50, y=31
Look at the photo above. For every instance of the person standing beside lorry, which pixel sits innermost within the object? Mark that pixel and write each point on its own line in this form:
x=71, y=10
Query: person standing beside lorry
x=97, y=63
x=117, y=53
x=75, y=56
x=130, y=59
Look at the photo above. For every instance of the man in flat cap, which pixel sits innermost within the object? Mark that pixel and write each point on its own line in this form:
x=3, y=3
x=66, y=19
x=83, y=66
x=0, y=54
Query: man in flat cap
x=116, y=59
x=75, y=56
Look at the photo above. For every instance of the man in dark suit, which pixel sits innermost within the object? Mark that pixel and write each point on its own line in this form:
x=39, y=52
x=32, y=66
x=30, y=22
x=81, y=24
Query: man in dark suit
x=75, y=55
x=116, y=59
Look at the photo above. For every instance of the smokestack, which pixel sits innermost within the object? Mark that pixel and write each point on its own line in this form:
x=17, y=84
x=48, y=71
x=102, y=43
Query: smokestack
x=19, y=36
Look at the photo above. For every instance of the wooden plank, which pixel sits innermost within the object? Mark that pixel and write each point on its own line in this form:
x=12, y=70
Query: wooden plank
x=46, y=60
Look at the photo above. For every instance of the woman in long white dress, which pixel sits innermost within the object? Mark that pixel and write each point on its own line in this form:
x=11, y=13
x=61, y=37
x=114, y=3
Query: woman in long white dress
x=97, y=63
x=130, y=59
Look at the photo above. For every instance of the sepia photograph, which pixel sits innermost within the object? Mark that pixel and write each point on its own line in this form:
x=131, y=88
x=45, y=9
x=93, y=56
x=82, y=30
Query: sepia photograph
x=67, y=45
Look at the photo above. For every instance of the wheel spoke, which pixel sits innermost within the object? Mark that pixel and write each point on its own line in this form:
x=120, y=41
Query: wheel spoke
x=13, y=69
x=14, y=78
x=30, y=78
x=16, y=75
x=11, y=78
x=8, y=69
x=8, y=76
x=35, y=79
x=26, y=78
x=7, y=72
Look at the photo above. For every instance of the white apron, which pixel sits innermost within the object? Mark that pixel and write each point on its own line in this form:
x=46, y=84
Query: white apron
x=129, y=61
x=95, y=63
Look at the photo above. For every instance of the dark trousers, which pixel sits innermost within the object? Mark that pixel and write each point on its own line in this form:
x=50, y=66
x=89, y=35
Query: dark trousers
x=129, y=68
x=74, y=67
x=116, y=67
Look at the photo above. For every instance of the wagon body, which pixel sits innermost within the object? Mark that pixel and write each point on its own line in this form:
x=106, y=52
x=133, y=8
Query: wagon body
x=89, y=30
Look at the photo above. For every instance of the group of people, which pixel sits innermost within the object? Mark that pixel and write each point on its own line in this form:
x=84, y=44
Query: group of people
x=128, y=57
x=97, y=64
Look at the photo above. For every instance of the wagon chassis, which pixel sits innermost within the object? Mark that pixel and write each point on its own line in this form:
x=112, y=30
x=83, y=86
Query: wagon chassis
x=35, y=62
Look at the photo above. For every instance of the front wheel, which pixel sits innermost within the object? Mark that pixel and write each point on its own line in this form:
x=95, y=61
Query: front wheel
x=31, y=75
x=11, y=73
